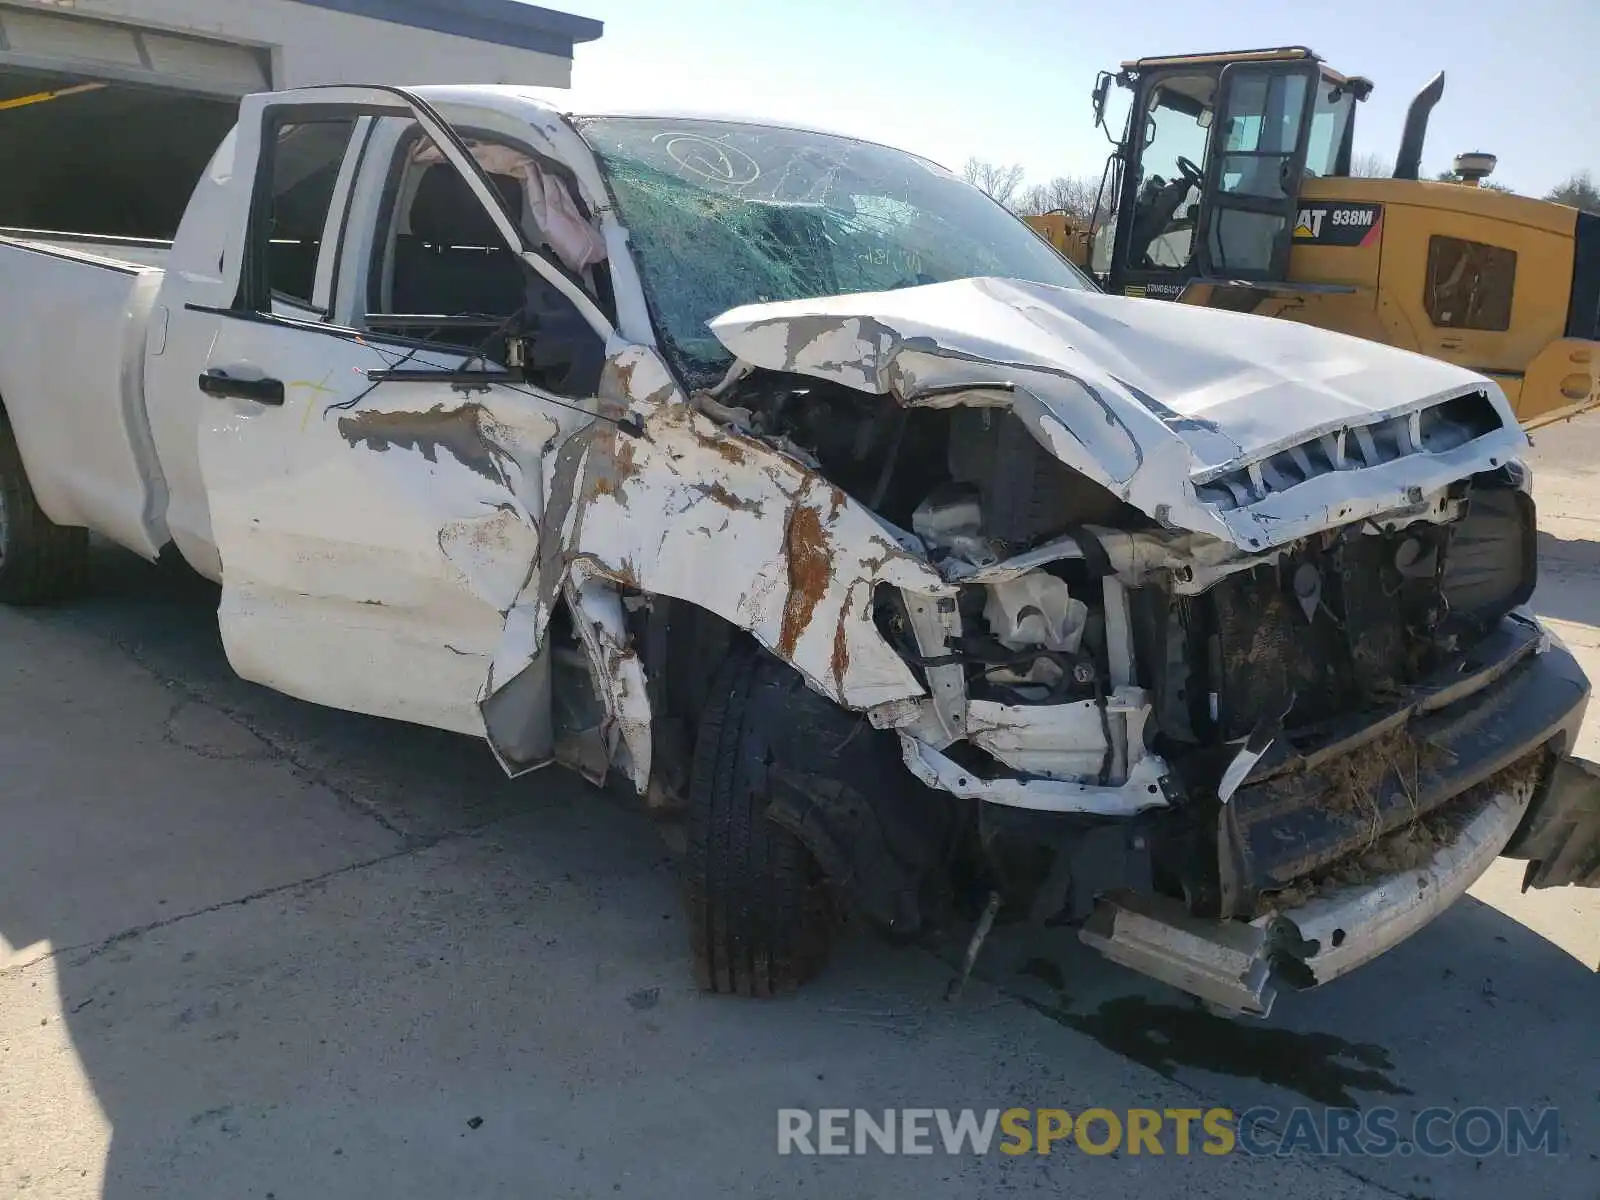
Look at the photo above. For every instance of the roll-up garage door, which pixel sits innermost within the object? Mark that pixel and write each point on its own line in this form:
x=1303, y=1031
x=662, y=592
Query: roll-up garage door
x=47, y=42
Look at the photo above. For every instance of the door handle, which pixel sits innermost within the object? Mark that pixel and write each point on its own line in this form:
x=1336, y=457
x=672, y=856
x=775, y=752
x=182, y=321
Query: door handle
x=217, y=382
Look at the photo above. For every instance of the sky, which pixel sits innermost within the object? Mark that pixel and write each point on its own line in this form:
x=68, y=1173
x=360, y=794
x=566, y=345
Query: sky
x=1009, y=80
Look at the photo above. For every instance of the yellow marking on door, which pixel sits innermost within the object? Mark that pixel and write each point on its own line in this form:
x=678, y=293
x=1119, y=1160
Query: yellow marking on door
x=316, y=389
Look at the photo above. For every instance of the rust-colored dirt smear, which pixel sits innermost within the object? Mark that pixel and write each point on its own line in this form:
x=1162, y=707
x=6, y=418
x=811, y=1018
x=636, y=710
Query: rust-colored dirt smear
x=840, y=662
x=609, y=482
x=810, y=572
x=730, y=451
x=622, y=457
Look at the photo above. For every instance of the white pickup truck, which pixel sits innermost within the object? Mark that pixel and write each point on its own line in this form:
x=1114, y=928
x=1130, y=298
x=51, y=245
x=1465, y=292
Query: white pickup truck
x=792, y=480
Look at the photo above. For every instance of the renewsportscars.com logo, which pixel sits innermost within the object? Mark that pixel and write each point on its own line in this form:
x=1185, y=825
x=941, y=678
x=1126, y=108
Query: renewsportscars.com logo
x=1261, y=1132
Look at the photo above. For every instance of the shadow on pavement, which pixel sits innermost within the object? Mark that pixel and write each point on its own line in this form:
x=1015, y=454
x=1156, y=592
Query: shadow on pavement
x=514, y=995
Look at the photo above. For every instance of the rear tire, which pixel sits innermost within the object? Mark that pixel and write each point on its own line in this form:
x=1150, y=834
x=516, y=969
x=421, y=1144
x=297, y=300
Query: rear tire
x=760, y=916
x=40, y=561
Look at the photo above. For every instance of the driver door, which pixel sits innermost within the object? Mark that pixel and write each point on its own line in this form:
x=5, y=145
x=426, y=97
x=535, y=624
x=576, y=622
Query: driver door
x=376, y=513
x=1254, y=169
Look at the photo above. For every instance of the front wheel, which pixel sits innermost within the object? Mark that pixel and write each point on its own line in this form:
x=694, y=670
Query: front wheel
x=760, y=916
x=40, y=561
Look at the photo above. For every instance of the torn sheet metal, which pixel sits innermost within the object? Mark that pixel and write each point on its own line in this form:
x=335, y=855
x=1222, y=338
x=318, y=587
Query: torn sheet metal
x=614, y=664
x=1140, y=397
x=1064, y=741
x=1141, y=791
x=691, y=511
x=1561, y=837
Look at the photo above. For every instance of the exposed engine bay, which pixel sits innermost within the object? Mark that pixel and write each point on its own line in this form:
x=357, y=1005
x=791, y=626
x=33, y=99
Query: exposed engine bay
x=1109, y=685
x=1133, y=623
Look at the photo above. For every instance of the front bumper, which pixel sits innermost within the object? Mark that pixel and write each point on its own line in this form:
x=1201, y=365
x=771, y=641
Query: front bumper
x=1523, y=798
x=1241, y=966
x=1305, y=807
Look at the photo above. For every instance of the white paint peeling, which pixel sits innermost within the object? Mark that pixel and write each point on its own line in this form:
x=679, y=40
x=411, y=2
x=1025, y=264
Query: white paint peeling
x=726, y=522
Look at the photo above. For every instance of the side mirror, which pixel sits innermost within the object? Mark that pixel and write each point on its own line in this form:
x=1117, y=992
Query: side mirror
x=1102, y=88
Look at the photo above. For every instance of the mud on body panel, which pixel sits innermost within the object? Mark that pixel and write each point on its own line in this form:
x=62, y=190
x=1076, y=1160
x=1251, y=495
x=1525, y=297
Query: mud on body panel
x=682, y=508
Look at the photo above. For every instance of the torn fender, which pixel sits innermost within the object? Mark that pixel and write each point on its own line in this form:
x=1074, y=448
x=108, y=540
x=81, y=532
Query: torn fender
x=686, y=509
x=725, y=522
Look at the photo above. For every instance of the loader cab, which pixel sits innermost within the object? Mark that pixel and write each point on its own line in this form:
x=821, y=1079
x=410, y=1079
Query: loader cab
x=1211, y=162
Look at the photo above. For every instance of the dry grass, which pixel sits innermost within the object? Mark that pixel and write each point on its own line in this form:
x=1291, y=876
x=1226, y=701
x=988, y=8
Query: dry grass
x=1355, y=779
x=1411, y=846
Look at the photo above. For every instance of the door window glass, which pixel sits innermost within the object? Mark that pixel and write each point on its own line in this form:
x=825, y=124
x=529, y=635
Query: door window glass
x=1177, y=124
x=1329, y=120
x=443, y=273
x=1262, y=132
x=304, y=162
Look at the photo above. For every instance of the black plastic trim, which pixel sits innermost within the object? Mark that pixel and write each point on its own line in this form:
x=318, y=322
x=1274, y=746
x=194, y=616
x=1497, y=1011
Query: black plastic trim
x=1583, y=313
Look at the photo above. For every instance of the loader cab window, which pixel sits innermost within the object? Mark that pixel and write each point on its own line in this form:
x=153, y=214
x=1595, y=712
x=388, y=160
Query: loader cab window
x=442, y=273
x=1262, y=133
x=1217, y=157
x=1177, y=120
x=301, y=167
x=1330, y=119
x=1255, y=180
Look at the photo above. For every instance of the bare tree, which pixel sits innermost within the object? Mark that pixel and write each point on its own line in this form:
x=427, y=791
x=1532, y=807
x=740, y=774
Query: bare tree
x=1371, y=165
x=1578, y=191
x=1487, y=185
x=1000, y=182
x=1072, y=194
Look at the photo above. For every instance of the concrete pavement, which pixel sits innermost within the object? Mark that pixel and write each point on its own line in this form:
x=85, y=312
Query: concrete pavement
x=257, y=948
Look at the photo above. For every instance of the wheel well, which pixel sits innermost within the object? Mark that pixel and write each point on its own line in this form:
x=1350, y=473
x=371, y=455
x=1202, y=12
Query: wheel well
x=683, y=647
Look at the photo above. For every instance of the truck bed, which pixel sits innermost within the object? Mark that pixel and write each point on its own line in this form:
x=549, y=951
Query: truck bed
x=113, y=251
x=74, y=313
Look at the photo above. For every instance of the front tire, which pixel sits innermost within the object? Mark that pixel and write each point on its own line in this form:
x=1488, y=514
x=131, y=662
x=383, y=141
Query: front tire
x=40, y=561
x=760, y=916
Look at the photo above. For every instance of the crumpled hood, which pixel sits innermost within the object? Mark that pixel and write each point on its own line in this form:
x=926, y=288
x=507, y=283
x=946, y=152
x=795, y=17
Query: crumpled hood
x=1149, y=397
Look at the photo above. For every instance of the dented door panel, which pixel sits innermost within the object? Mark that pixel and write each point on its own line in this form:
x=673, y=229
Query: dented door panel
x=373, y=541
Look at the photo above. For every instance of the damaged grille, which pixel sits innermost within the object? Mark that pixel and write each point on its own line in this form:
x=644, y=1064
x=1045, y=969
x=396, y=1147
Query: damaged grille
x=1269, y=660
x=1322, y=633
x=1435, y=430
x=1333, y=629
x=1352, y=633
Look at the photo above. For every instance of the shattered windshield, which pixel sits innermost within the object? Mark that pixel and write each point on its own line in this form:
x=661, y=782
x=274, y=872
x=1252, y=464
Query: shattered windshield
x=723, y=214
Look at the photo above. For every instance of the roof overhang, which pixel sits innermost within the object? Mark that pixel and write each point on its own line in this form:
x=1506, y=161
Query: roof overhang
x=503, y=22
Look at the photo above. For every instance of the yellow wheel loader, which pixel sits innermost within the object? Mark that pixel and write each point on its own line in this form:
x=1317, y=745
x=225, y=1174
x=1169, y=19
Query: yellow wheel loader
x=1230, y=187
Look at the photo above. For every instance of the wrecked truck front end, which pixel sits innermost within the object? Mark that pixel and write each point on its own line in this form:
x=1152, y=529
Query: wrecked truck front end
x=1266, y=716
x=1201, y=631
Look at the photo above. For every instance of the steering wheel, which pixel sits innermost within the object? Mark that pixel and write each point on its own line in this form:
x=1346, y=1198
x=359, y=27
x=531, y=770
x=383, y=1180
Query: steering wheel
x=1192, y=174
